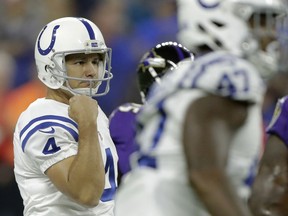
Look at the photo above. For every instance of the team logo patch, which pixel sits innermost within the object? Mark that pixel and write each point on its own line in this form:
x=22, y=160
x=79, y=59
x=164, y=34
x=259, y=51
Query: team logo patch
x=52, y=42
x=50, y=130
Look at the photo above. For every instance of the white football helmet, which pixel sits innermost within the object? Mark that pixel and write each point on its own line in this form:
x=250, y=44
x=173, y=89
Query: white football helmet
x=70, y=35
x=261, y=16
x=210, y=24
x=223, y=24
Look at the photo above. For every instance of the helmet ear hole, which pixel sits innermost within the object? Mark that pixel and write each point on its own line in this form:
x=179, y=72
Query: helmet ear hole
x=46, y=68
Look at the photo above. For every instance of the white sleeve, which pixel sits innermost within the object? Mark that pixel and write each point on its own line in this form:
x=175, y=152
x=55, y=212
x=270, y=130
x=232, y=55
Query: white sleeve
x=50, y=145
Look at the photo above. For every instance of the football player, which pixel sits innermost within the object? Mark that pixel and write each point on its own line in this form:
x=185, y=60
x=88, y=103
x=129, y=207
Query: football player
x=270, y=192
x=199, y=141
x=240, y=26
x=153, y=65
x=65, y=159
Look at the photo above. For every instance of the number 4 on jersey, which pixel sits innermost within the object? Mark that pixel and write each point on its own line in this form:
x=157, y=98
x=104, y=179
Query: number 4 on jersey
x=50, y=146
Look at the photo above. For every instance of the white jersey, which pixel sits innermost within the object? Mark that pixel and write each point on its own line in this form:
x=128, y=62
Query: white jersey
x=158, y=183
x=45, y=135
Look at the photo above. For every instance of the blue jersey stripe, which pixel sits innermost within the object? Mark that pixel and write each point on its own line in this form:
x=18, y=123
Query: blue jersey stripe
x=48, y=117
x=162, y=121
x=146, y=159
x=45, y=125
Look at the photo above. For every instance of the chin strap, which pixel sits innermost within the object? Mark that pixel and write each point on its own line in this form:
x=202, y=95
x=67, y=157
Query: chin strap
x=91, y=92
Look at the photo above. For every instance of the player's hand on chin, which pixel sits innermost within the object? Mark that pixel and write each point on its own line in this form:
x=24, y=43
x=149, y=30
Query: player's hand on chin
x=83, y=109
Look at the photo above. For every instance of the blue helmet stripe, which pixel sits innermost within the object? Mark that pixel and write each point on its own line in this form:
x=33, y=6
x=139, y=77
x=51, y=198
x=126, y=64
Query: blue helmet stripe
x=89, y=29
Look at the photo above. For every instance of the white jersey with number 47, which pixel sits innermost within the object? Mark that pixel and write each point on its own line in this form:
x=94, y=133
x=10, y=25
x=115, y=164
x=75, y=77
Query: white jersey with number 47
x=158, y=183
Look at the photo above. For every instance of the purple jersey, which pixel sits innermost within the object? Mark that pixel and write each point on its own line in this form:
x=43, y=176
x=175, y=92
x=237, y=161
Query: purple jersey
x=279, y=122
x=123, y=129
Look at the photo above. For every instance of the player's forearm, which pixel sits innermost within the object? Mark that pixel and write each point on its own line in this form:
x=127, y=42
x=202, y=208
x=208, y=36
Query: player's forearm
x=269, y=192
x=86, y=174
x=216, y=193
x=259, y=195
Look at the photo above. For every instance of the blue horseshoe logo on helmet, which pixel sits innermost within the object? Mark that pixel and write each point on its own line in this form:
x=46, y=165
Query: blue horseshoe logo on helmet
x=208, y=6
x=52, y=43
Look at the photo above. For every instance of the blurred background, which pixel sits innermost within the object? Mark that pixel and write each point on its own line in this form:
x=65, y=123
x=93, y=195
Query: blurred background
x=129, y=27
